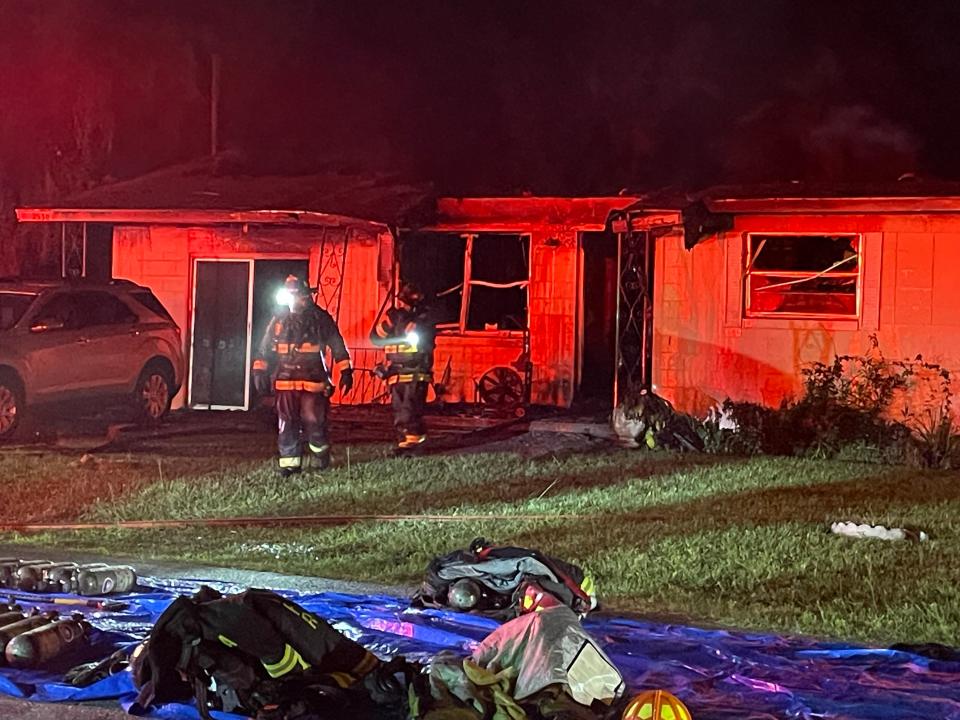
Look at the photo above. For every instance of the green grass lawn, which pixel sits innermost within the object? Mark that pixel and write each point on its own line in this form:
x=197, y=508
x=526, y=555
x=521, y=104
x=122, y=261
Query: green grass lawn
x=713, y=540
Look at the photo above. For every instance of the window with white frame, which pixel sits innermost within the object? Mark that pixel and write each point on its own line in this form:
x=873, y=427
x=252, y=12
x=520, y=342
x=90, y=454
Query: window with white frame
x=477, y=281
x=802, y=276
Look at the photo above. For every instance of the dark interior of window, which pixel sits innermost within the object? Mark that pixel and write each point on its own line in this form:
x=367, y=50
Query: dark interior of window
x=60, y=308
x=434, y=262
x=500, y=259
x=105, y=309
x=86, y=309
x=149, y=301
x=12, y=308
x=803, y=275
x=810, y=253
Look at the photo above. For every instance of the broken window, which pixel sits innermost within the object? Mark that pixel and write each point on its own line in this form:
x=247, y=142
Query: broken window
x=477, y=281
x=802, y=276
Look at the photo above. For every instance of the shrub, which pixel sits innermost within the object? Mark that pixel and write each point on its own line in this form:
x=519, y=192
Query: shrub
x=858, y=406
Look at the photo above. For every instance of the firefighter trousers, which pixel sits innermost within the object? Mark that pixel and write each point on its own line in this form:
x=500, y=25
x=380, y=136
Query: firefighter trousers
x=302, y=416
x=408, y=400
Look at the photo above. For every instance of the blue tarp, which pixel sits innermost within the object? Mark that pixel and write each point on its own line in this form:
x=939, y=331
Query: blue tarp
x=720, y=675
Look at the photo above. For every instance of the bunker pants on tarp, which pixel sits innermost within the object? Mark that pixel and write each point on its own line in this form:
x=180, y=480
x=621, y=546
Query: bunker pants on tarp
x=302, y=416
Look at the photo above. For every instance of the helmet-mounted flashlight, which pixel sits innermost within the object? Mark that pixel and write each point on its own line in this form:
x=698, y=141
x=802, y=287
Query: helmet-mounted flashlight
x=285, y=297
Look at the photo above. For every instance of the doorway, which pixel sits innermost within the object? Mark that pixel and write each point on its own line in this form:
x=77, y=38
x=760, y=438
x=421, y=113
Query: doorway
x=234, y=301
x=268, y=277
x=598, y=319
x=220, y=335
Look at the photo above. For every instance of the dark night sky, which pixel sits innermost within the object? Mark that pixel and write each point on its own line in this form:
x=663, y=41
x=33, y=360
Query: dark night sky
x=570, y=97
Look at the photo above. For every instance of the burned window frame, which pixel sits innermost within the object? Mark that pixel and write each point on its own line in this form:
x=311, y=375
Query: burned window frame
x=468, y=282
x=798, y=276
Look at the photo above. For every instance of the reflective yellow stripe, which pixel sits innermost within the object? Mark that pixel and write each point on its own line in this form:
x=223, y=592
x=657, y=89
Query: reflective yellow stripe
x=285, y=665
x=342, y=679
x=368, y=663
x=342, y=365
x=302, y=348
x=291, y=660
x=410, y=377
x=588, y=586
x=290, y=462
x=412, y=440
x=226, y=641
x=304, y=385
x=317, y=449
x=259, y=364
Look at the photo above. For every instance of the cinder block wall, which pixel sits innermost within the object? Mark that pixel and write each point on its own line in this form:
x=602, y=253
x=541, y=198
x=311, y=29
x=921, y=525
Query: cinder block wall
x=705, y=351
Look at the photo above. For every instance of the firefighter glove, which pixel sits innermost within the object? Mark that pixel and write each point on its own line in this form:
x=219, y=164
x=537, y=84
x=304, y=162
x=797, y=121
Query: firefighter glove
x=346, y=381
x=387, y=683
x=261, y=382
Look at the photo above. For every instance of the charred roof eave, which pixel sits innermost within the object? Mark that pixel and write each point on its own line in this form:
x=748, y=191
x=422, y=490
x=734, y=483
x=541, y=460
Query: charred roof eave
x=695, y=218
x=175, y=216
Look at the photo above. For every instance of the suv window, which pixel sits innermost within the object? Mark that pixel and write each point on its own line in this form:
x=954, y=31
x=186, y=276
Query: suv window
x=61, y=308
x=100, y=308
x=150, y=302
x=12, y=307
x=86, y=309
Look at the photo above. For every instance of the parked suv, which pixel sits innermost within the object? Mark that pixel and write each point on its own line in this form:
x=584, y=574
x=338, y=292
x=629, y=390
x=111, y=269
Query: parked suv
x=65, y=341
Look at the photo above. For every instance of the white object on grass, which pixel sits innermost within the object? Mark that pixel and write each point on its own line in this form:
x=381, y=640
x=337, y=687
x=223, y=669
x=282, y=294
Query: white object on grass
x=851, y=529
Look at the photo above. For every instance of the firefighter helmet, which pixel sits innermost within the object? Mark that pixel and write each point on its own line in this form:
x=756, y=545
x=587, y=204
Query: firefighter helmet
x=464, y=594
x=656, y=705
x=533, y=598
x=293, y=289
x=410, y=294
x=296, y=285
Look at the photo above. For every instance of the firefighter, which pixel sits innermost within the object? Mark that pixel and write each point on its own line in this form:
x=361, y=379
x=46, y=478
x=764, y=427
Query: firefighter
x=407, y=336
x=298, y=336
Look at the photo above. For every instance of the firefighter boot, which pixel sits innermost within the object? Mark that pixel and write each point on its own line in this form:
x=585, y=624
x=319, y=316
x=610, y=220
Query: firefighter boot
x=410, y=444
x=319, y=457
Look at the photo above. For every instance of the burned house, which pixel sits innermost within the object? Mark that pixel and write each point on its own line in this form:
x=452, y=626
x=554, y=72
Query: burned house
x=525, y=287
x=189, y=234
x=526, y=291
x=750, y=285
x=544, y=300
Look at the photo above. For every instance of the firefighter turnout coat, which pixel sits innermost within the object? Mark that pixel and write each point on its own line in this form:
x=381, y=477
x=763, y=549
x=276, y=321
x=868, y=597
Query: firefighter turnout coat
x=298, y=340
x=407, y=337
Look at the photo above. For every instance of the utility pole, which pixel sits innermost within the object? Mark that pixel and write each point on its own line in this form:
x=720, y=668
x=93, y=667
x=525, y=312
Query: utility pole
x=214, y=102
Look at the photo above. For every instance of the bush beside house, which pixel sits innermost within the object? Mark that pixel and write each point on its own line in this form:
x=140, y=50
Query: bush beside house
x=859, y=407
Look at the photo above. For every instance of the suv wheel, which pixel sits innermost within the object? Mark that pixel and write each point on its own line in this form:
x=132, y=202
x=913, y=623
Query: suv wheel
x=11, y=407
x=153, y=394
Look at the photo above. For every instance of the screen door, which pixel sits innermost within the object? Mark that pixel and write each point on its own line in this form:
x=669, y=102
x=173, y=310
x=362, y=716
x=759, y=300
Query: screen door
x=220, y=341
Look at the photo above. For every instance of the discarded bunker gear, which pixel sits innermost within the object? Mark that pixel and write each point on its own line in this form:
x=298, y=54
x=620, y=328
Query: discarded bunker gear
x=537, y=665
x=407, y=336
x=298, y=339
x=260, y=654
x=511, y=581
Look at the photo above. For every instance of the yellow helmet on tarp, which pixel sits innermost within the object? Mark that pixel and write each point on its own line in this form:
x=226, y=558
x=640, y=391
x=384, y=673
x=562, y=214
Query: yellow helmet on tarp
x=656, y=705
